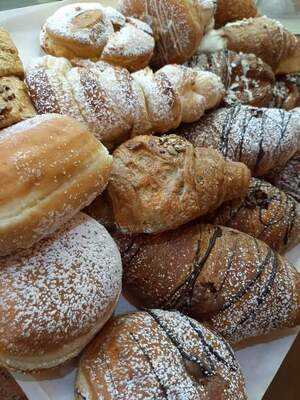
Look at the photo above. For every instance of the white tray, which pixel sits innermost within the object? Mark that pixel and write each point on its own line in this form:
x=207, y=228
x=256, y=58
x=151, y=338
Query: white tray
x=259, y=362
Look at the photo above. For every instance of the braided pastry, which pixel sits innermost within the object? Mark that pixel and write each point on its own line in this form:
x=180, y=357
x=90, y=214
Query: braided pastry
x=116, y=104
x=89, y=30
x=178, y=25
x=262, y=36
x=261, y=138
x=266, y=213
x=217, y=275
x=246, y=78
x=161, y=183
x=158, y=355
x=234, y=10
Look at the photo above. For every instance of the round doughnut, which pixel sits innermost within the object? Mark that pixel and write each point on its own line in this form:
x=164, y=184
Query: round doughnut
x=157, y=355
x=56, y=296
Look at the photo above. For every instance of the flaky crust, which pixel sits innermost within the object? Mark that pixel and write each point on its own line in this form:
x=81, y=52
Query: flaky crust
x=56, y=295
x=116, y=104
x=15, y=104
x=161, y=183
x=178, y=26
x=99, y=33
x=266, y=213
x=262, y=36
x=230, y=280
x=10, y=62
x=51, y=167
x=233, y=10
x=263, y=139
x=246, y=78
x=158, y=355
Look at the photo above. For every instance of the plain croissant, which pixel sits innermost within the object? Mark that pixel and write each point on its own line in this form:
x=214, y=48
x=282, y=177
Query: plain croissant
x=262, y=36
x=262, y=138
x=116, y=104
x=232, y=281
x=160, y=183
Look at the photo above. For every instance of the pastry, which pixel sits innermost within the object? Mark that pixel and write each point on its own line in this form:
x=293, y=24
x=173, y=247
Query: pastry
x=116, y=104
x=178, y=25
x=15, y=104
x=233, y=10
x=288, y=178
x=217, y=275
x=266, y=213
x=101, y=210
x=262, y=36
x=89, y=30
x=286, y=92
x=160, y=183
x=246, y=78
x=261, y=138
x=158, y=355
x=10, y=62
x=51, y=167
x=9, y=389
x=57, y=295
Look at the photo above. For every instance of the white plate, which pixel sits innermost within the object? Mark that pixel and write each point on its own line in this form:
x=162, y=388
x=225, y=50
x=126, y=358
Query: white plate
x=259, y=361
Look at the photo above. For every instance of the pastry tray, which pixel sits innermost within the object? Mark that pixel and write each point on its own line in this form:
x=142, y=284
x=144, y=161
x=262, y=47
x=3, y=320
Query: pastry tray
x=260, y=360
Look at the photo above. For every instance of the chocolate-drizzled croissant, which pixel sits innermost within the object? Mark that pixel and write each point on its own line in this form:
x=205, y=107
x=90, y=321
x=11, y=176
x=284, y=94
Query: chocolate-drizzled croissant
x=266, y=213
x=246, y=78
x=232, y=281
x=261, y=138
x=116, y=104
x=262, y=36
x=160, y=183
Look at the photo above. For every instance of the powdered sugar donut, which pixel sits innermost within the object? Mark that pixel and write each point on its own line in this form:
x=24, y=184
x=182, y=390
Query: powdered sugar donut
x=55, y=296
x=158, y=355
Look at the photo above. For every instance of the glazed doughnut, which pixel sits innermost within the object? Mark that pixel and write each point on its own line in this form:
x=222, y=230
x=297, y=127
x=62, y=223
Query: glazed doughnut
x=51, y=167
x=158, y=355
x=57, y=295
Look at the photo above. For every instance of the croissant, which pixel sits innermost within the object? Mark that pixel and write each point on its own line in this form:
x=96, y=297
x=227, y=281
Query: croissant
x=116, y=104
x=178, y=25
x=261, y=138
x=232, y=281
x=286, y=92
x=246, y=78
x=161, y=183
x=233, y=10
x=288, y=178
x=262, y=36
x=266, y=213
x=96, y=32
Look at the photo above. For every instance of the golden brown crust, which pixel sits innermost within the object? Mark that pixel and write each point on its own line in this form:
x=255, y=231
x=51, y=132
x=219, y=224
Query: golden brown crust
x=246, y=78
x=10, y=62
x=178, y=26
x=158, y=355
x=286, y=92
x=266, y=213
x=226, y=278
x=161, y=183
x=56, y=295
x=101, y=210
x=263, y=139
x=51, y=167
x=233, y=10
x=99, y=33
x=15, y=104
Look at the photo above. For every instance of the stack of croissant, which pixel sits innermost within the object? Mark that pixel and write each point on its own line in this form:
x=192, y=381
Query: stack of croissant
x=199, y=105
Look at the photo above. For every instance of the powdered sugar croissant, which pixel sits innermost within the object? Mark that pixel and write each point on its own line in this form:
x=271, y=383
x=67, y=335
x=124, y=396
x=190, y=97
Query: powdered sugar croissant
x=262, y=36
x=217, y=275
x=160, y=183
x=262, y=138
x=116, y=104
x=89, y=30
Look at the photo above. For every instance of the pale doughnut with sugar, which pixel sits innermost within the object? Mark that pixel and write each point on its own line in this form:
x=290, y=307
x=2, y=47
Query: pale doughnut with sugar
x=158, y=355
x=51, y=167
x=56, y=295
x=90, y=30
